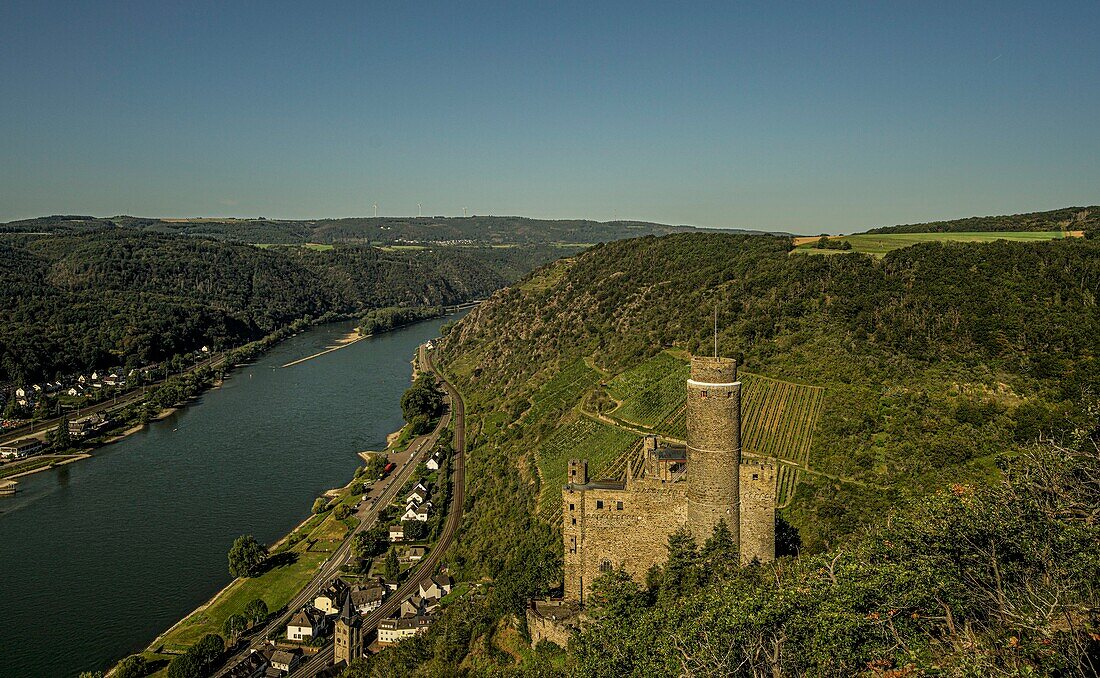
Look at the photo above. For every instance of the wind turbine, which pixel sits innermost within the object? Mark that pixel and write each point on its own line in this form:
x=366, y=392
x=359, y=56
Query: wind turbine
x=376, y=209
x=463, y=212
x=418, y=215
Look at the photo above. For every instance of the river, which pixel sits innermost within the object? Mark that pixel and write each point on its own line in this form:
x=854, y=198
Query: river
x=100, y=556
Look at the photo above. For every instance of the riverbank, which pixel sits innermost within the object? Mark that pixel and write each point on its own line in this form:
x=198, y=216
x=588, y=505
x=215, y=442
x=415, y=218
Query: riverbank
x=144, y=526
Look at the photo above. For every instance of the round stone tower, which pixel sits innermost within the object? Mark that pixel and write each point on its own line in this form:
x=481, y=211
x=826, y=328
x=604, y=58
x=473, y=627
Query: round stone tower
x=713, y=446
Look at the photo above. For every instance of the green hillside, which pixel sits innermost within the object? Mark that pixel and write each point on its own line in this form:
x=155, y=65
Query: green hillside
x=1065, y=219
x=104, y=297
x=940, y=364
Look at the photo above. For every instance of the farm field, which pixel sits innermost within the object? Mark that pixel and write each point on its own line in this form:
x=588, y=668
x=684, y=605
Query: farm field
x=585, y=438
x=880, y=243
x=563, y=391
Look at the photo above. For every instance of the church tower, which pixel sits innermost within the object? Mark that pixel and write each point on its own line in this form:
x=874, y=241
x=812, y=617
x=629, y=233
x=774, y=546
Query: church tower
x=348, y=634
x=713, y=447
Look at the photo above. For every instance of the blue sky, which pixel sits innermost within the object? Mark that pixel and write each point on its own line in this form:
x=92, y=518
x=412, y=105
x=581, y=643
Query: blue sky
x=783, y=116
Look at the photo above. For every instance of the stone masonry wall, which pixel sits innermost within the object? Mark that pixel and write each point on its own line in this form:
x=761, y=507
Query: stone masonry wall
x=758, y=511
x=628, y=527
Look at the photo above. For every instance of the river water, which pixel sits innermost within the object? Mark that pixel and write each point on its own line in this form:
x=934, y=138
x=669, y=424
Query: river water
x=99, y=557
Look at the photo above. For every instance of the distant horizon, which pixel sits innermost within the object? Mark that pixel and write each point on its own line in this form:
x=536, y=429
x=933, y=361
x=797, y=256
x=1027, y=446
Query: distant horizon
x=793, y=230
x=800, y=117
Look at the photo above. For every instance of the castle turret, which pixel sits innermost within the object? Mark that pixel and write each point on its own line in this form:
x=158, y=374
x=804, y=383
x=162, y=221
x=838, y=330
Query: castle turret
x=757, y=492
x=714, y=446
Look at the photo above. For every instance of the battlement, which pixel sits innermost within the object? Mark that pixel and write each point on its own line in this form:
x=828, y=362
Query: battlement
x=708, y=370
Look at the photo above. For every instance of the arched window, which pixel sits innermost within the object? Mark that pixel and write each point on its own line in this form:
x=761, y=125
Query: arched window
x=605, y=566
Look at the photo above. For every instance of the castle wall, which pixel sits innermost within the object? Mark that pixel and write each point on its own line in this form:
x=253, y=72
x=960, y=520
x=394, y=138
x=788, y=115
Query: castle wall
x=606, y=528
x=713, y=446
x=758, y=498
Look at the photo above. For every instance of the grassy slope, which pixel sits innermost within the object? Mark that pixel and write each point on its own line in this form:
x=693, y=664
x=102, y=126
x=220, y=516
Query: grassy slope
x=880, y=243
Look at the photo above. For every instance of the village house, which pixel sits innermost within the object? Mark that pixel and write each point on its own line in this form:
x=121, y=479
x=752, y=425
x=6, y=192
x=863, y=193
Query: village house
x=253, y=666
x=435, y=461
x=306, y=624
x=367, y=599
x=397, y=532
x=419, y=513
x=285, y=660
x=393, y=631
x=436, y=587
x=330, y=599
x=81, y=428
x=418, y=495
x=418, y=605
x=416, y=553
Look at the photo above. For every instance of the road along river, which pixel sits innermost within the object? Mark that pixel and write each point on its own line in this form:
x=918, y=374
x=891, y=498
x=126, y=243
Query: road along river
x=98, y=557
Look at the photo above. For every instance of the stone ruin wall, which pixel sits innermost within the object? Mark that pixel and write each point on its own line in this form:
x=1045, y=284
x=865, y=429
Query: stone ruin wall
x=635, y=537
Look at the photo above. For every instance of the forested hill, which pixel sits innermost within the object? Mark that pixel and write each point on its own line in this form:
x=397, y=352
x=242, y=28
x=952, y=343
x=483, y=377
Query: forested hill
x=485, y=230
x=115, y=296
x=1067, y=219
x=942, y=364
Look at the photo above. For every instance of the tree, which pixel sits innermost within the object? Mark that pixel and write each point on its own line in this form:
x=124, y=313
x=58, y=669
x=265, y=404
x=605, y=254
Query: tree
x=376, y=464
x=391, y=567
x=184, y=666
x=256, y=611
x=234, y=626
x=208, y=651
x=680, y=573
x=61, y=438
x=133, y=666
x=341, y=511
x=616, y=593
x=422, y=403
x=415, y=530
x=319, y=504
x=246, y=557
x=719, y=548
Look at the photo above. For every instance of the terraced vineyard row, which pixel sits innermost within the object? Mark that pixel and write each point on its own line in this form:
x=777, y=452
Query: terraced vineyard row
x=563, y=391
x=585, y=438
x=644, y=376
x=778, y=417
x=786, y=483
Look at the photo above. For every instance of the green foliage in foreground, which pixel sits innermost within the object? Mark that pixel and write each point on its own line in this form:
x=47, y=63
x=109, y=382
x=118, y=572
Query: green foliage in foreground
x=999, y=579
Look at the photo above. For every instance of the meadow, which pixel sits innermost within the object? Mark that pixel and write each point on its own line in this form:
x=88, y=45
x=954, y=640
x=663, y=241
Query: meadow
x=879, y=244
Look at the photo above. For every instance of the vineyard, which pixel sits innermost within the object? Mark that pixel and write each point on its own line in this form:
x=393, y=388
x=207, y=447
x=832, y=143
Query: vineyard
x=778, y=417
x=563, y=391
x=602, y=445
x=650, y=392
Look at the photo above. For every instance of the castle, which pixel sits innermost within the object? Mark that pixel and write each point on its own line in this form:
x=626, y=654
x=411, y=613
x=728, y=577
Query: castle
x=608, y=523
